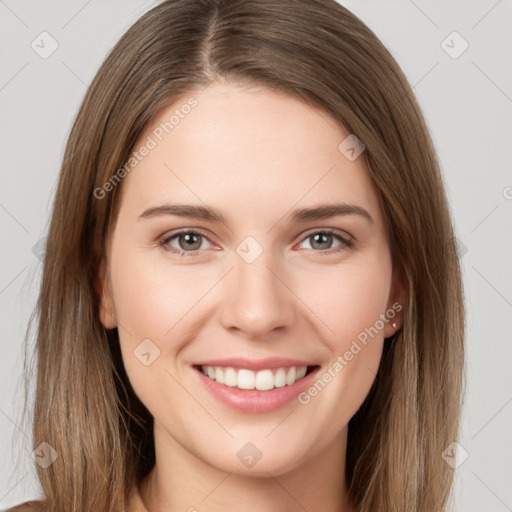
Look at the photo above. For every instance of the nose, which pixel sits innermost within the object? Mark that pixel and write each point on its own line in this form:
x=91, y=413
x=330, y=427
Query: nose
x=257, y=300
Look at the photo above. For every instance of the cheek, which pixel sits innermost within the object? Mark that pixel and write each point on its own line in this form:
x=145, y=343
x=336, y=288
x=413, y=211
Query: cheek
x=148, y=306
x=348, y=299
x=154, y=306
x=160, y=301
x=152, y=298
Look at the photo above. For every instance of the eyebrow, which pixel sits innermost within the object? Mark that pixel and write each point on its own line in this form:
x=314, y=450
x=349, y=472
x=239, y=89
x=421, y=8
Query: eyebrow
x=324, y=211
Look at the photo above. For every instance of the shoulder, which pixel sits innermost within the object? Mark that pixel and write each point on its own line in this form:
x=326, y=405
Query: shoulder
x=28, y=506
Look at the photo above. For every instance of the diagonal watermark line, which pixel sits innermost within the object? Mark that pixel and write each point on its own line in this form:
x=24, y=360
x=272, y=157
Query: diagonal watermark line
x=14, y=76
x=427, y=73
x=492, y=81
x=492, y=418
x=75, y=74
x=495, y=289
x=76, y=14
x=424, y=14
x=326, y=119
x=198, y=402
x=187, y=312
x=492, y=211
x=413, y=500
x=286, y=491
x=165, y=165
x=7, y=416
x=217, y=486
x=280, y=423
x=123, y=327
x=485, y=15
x=508, y=508
x=210, y=82
x=5, y=5
x=13, y=487
x=13, y=218
x=12, y=280
x=301, y=198
x=301, y=300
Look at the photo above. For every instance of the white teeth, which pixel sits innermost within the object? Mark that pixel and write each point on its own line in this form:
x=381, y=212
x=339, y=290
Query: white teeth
x=290, y=376
x=280, y=378
x=301, y=371
x=230, y=378
x=262, y=380
x=246, y=379
x=219, y=375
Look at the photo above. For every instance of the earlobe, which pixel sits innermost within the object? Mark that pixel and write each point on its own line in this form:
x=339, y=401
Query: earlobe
x=396, y=305
x=106, y=304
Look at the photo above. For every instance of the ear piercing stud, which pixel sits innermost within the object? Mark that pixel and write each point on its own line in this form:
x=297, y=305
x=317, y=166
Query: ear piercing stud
x=393, y=325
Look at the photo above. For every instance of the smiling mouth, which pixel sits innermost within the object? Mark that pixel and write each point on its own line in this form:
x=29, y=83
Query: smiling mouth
x=261, y=380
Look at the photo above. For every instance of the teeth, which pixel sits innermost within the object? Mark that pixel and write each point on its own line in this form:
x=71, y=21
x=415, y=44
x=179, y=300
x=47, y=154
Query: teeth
x=290, y=376
x=230, y=378
x=246, y=379
x=219, y=375
x=301, y=372
x=280, y=378
x=262, y=380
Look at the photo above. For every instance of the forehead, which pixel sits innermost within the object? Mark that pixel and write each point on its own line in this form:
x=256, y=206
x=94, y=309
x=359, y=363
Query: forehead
x=252, y=149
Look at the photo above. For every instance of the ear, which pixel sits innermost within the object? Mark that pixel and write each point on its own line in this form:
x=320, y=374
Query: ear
x=103, y=289
x=396, y=303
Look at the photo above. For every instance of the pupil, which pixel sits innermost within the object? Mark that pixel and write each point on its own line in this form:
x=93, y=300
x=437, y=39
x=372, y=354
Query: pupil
x=322, y=238
x=191, y=241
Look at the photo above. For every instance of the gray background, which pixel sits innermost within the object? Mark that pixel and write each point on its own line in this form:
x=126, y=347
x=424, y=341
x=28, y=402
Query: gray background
x=468, y=105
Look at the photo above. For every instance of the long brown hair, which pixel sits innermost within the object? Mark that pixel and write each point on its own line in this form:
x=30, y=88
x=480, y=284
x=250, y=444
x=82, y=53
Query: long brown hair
x=319, y=52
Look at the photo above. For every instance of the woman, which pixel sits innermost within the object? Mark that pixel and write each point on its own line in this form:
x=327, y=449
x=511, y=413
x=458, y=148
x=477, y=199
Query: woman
x=251, y=295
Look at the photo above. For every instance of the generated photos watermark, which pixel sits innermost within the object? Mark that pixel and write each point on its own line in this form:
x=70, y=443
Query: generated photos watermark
x=343, y=360
x=151, y=142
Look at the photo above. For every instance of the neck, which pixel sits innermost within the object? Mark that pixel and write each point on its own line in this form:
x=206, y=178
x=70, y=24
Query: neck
x=180, y=481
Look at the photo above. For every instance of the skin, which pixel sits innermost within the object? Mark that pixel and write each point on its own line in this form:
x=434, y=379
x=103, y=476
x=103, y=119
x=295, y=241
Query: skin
x=255, y=155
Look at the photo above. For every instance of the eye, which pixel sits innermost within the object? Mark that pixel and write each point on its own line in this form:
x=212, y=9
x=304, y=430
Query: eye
x=190, y=243
x=322, y=241
x=185, y=242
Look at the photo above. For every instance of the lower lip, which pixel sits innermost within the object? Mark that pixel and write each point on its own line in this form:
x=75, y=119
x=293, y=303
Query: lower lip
x=255, y=401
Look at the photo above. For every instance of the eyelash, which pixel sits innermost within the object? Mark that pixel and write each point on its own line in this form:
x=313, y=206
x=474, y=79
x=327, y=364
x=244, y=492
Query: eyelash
x=346, y=242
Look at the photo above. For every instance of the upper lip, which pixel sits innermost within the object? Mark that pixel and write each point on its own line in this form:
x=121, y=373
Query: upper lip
x=255, y=364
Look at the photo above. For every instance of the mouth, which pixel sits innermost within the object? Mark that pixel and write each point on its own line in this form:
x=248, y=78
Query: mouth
x=264, y=379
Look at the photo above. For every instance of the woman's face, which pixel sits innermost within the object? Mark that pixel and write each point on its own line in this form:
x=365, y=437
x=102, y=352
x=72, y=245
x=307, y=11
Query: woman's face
x=248, y=241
